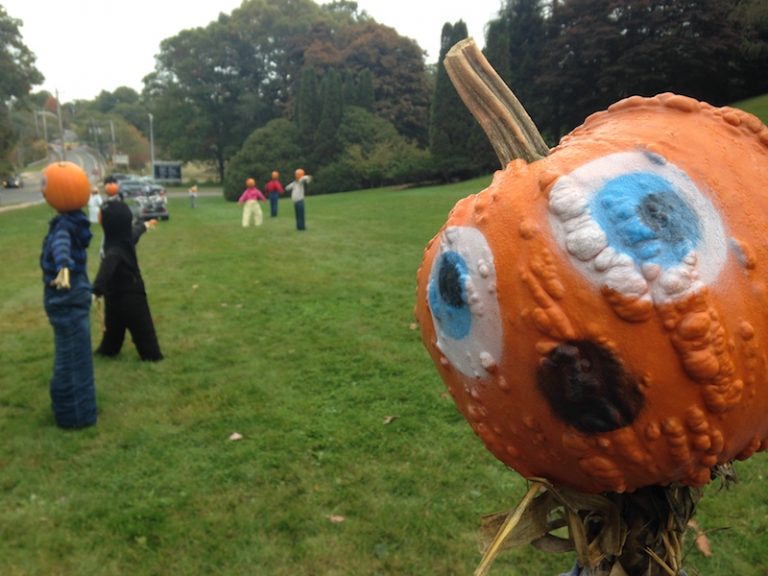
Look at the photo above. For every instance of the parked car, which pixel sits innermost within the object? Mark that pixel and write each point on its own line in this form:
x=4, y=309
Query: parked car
x=152, y=186
x=131, y=187
x=151, y=206
x=13, y=181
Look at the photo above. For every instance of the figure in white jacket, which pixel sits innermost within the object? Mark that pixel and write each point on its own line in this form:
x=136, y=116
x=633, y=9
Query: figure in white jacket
x=298, y=189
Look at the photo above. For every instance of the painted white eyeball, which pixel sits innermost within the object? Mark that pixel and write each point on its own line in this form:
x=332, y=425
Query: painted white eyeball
x=638, y=224
x=462, y=298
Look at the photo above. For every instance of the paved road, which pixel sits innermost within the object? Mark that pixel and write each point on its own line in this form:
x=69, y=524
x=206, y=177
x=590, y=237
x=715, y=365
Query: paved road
x=17, y=197
x=31, y=194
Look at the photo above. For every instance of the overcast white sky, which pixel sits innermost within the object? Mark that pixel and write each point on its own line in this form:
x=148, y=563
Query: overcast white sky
x=86, y=46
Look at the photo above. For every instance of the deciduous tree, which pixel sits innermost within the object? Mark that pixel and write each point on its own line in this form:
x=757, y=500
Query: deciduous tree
x=205, y=93
x=18, y=75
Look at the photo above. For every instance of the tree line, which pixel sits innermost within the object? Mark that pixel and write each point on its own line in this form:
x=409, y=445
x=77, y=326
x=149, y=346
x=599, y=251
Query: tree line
x=279, y=84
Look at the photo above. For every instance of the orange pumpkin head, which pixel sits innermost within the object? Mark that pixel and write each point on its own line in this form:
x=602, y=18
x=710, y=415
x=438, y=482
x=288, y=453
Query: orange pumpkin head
x=65, y=186
x=599, y=315
x=299, y=173
x=250, y=183
x=275, y=175
x=112, y=188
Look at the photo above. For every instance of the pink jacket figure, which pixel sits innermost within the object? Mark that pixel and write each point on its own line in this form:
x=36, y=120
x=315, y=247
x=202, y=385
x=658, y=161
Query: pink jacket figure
x=251, y=198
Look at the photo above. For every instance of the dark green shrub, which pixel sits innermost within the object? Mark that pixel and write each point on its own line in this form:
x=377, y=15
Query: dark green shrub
x=275, y=146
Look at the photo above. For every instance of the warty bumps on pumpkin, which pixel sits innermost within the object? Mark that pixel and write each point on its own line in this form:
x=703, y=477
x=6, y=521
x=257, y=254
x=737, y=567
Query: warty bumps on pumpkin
x=600, y=316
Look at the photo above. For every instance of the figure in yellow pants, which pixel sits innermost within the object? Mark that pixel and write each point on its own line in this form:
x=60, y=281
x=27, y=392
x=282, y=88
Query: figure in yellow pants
x=250, y=198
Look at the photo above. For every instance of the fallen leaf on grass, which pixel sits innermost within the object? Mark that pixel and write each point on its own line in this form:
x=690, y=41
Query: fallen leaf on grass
x=235, y=436
x=389, y=419
x=336, y=519
x=195, y=286
x=413, y=326
x=702, y=542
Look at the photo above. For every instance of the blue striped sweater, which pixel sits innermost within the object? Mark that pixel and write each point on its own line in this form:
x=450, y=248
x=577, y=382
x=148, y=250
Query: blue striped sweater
x=65, y=245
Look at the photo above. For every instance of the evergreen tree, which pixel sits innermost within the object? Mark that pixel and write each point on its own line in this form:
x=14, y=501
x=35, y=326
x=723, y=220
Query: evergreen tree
x=326, y=138
x=526, y=42
x=751, y=17
x=349, y=88
x=450, y=122
x=526, y=31
x=365, y=94
x=600, y=51
x=308, y=108
x=497, y=47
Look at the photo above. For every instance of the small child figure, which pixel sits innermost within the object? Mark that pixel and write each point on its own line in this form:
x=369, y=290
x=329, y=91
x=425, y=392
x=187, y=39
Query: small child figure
x=94, y=205
x=67, y=295
x=298, y=189
x=273, y=190
x=193, y=196
x=251, y=198
x=119, y=281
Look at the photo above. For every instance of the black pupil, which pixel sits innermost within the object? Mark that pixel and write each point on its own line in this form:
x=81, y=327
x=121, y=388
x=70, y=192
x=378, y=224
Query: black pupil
x=654, y=212
x=449, y=283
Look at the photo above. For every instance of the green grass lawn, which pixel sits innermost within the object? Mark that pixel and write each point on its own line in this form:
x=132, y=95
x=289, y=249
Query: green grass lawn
x=353, y=458
x=757, y=106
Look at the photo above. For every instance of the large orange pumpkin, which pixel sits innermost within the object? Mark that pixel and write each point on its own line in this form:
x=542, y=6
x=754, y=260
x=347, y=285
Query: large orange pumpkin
x=600, y=316
x=66, y=186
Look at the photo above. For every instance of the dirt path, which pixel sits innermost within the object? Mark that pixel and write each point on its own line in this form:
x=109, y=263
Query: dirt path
x=17, y=206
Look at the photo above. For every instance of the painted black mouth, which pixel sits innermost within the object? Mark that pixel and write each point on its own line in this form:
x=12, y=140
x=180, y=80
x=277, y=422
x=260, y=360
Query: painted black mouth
x=587, y=387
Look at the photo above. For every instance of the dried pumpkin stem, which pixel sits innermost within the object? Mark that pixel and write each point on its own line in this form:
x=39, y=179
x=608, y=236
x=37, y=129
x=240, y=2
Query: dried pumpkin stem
x=505, y=122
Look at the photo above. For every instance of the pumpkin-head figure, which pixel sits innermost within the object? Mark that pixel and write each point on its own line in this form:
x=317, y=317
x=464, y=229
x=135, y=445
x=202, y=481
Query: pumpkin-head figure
x=65, y=186
x=111, y=188
x=600, y=316
x=250, y=183
x=299, y=174
x=275, y=175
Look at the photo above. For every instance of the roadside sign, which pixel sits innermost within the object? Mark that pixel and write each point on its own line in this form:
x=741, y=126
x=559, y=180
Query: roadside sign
x=167, y=171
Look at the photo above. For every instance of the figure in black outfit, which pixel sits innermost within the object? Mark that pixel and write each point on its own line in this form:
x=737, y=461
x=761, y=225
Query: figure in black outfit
x=119, y=281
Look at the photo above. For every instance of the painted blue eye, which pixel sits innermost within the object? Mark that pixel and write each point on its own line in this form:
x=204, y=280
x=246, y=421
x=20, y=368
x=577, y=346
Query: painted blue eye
x=644, y=216
x=462, y=300
x=448, y=296
x=637, y=224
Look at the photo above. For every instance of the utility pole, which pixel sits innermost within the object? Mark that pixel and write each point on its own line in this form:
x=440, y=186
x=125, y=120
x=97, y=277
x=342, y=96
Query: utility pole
x=61, y=127
x=45, y=133
x=112, y=130
x=152, y=145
